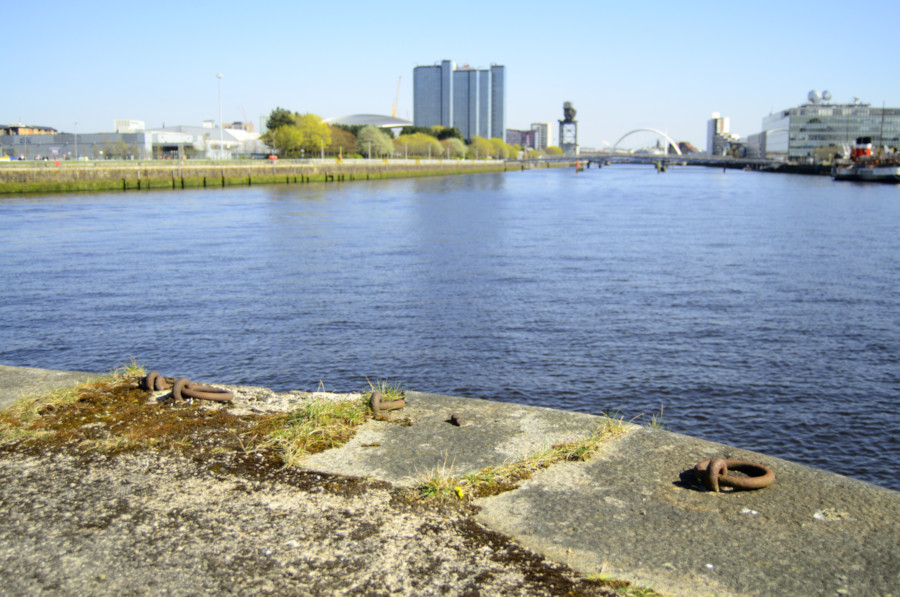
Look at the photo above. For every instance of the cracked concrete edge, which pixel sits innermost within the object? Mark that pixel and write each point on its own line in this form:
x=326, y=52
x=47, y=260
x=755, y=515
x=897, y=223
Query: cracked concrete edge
x=495, y=433
x=19, y=382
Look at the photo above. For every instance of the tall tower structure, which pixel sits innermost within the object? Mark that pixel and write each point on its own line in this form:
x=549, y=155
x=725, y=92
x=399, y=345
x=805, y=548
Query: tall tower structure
x=433, y=94
x=717, y=134
x=498, y=100
x=473, y=101
x=568, y=130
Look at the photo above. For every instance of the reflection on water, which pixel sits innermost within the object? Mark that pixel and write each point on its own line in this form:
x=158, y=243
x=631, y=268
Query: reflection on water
x=758, y=310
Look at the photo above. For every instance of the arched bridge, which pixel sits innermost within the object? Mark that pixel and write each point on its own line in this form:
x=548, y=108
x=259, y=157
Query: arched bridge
x=657, y=131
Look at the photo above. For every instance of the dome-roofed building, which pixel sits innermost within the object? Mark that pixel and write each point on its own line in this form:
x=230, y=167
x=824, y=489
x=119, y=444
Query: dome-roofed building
x=376, y=120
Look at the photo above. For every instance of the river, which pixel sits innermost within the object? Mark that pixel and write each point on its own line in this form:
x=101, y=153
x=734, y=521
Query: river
x=759, y=310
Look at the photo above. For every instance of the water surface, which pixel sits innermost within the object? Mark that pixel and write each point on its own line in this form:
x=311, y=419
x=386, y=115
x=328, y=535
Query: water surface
x=754, y=309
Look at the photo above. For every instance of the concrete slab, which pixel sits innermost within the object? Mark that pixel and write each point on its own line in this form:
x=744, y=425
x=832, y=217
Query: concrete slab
x=495, y=433
x=634, y=513
x=16, y=382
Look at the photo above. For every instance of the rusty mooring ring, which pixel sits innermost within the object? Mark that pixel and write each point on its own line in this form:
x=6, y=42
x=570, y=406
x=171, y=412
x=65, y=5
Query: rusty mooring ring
x=185, y=388
x=378, y=405
x=155, y=382
x=714, y=474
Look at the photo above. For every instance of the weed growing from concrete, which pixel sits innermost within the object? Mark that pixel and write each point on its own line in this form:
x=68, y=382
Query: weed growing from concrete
x=655, y=421
x=439, y=483
x=389, y=391
x=497, y=479
x=318, y=425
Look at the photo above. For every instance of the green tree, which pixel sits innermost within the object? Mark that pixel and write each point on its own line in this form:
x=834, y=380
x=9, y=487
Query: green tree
x=553, y=150
x=287, y=140
x=316, y=134
x=442, y=133
x=343, y=142
x=279, y=117
x=418, y=144
x=374, y=142
x=480, y=148
x=453, y=147
x=498, y=149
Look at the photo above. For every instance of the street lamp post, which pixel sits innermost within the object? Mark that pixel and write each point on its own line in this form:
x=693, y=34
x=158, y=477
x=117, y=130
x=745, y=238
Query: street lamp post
x=76, y=141
x=221, y=134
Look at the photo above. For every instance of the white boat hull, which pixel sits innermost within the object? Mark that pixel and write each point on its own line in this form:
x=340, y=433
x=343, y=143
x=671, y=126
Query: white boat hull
x=875, y=174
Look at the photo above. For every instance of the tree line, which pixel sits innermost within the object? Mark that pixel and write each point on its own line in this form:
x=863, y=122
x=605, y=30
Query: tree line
x=295, y=135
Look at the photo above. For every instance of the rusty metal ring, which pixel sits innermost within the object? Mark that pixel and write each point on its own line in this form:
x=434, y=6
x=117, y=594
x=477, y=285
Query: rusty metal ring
x=184, y=388
x=147, y=382
x=155, y=382
x=378, y=405
x=714, y=474
x=178, y=386
x=205, y=392
x=160, y=383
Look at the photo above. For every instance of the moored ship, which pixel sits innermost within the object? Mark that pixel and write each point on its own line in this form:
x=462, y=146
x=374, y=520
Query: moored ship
x=864, y=167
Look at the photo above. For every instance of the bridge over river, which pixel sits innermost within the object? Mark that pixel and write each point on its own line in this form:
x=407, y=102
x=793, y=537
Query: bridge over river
x=608, y=158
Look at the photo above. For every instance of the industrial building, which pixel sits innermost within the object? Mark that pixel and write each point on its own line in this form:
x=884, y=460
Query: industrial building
x=818, y=128
x=205, y=141
x=471, y=100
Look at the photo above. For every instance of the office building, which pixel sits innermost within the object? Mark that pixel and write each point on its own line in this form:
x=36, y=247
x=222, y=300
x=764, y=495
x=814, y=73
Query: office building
x=466, y=112
x=718, y=134
x=524, y=138
x=471, y=100
x=542, y=138
x=797, y=133
x=433, y=94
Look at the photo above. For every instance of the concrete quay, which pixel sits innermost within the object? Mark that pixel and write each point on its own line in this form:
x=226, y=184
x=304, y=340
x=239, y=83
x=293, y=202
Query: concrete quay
x=634, y=511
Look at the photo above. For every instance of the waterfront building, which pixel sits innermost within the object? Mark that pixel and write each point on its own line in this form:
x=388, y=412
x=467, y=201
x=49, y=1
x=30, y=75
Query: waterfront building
x=433, y=94
x=377, y=120
x=465, y=103
x=803, y=132
x=122, y=125
x=472, y=100
x=718, y=134
x=168, y=142
x=26, y=129
x=498, y=101
x=524, y=138
x=542, y=131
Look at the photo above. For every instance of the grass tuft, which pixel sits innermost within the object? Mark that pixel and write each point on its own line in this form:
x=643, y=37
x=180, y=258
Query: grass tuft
x=655, y=421
x=389, y=391
x=439, y=484
x=318, y=425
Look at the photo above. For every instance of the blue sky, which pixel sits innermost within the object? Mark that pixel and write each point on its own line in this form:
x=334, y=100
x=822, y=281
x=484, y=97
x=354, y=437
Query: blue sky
x=624, y=65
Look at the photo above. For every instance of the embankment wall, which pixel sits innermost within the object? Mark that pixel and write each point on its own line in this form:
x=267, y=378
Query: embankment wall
x=88, y=176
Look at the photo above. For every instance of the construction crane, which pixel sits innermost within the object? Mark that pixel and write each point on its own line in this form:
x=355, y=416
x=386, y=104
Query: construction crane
x=396, y=98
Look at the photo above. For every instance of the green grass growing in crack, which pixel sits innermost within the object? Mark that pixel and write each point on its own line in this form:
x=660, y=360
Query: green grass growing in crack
x=389, y=391
x=621, y=587
x=655, y=421
x=441, y=484
x=318, y=425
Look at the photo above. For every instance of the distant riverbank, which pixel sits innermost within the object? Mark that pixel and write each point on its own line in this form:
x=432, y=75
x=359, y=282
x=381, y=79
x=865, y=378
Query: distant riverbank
x=49, y=176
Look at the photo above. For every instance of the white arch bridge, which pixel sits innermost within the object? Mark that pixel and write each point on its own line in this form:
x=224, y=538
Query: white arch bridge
x=669, y=139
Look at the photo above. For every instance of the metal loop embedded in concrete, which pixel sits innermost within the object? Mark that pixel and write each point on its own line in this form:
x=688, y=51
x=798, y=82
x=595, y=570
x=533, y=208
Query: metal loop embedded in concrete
x=185, y=388
x=714, y=474
x=154, y=382
x=378, y=405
